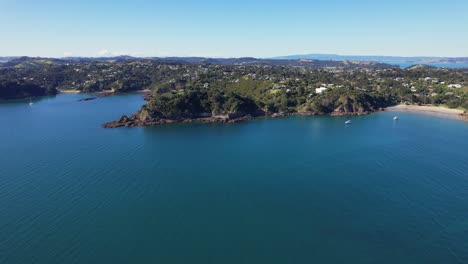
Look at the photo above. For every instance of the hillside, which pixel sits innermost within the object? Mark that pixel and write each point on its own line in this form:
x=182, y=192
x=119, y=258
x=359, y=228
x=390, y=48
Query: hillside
x=193, y=88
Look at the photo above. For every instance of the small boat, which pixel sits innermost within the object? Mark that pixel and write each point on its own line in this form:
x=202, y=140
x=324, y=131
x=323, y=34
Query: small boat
x=30, y=102
x=396, y=118
x=348, y=122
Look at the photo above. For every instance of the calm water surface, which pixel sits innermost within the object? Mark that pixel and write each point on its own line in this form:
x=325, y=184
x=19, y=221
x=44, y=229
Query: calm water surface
x=439, y=65
x=290, y=190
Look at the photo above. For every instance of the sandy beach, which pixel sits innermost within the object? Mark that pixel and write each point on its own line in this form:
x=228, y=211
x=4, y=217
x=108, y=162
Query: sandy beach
x=430, y=110
x=69, y=91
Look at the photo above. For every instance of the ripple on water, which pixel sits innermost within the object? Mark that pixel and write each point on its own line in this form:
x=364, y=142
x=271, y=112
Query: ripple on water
x=296, y=189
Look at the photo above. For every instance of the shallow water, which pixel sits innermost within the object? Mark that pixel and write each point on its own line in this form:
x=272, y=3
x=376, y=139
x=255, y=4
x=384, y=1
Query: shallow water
x=287, y=190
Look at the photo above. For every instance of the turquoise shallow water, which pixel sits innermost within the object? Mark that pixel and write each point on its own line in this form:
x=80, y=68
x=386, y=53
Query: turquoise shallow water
x=289, y=190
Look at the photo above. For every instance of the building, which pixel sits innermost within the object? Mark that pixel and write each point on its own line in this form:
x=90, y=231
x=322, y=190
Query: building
x=320, y=90
x=455, y=86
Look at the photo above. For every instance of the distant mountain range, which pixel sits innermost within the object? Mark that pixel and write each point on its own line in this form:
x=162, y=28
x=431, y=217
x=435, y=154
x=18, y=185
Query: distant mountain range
x=7, y=59
x=320, y=60
x=383, y=59
x=37, y=62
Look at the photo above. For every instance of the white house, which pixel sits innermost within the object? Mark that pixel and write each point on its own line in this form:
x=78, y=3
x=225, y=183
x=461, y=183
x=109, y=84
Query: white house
x=320, y=90
x=455, y=86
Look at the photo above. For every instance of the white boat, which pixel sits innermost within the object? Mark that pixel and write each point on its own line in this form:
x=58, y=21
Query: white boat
x=30, y=102
x=396, y=118
x=348, y=122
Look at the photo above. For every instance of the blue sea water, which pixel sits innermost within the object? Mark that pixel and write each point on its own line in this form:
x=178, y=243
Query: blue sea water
x=288, y=190
x=439, y=65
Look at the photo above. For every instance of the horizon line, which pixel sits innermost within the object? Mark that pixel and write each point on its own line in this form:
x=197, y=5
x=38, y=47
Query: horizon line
x=228, y=57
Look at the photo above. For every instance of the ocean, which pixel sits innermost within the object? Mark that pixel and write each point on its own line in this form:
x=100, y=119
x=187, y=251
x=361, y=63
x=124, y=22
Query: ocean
x=439, y=65
x=285, y=190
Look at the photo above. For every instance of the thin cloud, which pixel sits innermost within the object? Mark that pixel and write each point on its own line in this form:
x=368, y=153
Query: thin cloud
x=109, y=53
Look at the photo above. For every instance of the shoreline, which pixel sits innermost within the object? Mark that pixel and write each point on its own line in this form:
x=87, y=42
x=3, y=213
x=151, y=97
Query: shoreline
x=433, y=110
x=106, y=92
x=135, y=121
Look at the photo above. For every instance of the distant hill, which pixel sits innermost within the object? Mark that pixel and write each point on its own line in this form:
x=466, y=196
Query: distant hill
x=7, y=59
x=420, y=67
x=383, y=59
x=37, y=62
x=290, y=60
x=29, y=62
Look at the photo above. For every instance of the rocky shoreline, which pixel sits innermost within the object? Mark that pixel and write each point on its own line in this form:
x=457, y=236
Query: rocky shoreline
x=137, y=120
x=464, y=116
x=144, y=117
x=134, y=121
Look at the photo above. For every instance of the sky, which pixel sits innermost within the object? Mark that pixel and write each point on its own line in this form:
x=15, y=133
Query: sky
x=240, y=28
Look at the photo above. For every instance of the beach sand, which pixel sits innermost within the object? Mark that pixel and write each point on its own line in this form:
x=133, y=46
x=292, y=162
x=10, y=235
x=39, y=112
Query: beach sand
x=430, y=110
x=69, y=91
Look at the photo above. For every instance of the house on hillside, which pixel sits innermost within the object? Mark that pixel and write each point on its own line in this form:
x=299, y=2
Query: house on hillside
x=320, y=90
x=455, y=86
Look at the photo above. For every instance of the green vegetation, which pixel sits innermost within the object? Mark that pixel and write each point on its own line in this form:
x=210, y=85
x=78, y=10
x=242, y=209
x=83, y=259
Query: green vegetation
x=199, y=103
x=192, y=88
x=16, y=90
x=349, y=101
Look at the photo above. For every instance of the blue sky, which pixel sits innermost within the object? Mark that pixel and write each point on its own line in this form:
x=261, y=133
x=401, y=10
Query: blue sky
x=257, y=28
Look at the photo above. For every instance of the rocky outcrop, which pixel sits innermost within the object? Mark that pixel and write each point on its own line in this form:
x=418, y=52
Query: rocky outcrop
x=464, y=116
x=141, y=118
x=148, y=96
